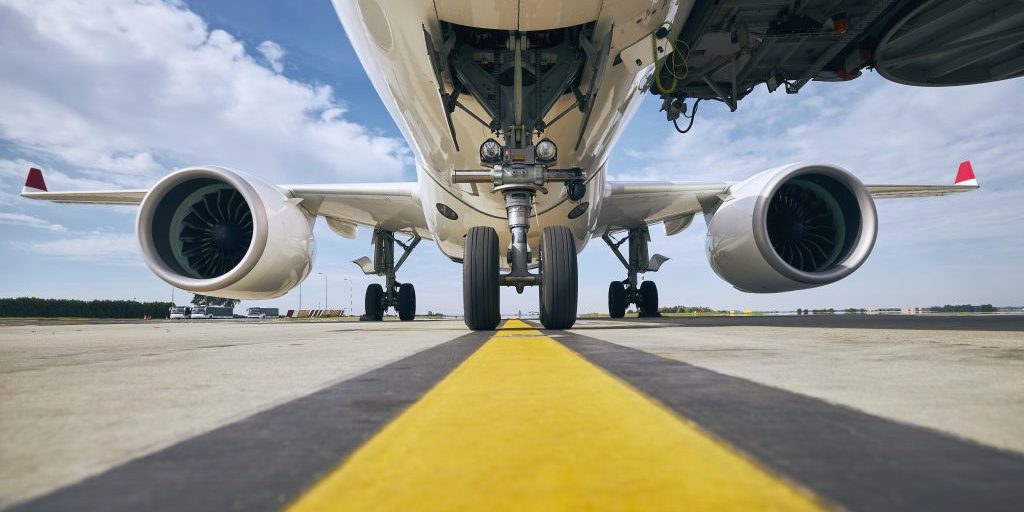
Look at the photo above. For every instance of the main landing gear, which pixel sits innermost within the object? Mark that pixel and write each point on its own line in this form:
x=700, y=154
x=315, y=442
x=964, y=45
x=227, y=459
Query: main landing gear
x=401, y=296
x=623, y=293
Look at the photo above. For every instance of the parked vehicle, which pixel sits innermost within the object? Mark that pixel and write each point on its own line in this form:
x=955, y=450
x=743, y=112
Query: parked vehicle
x=213, y=312
x=180, y=312
x=262, y=313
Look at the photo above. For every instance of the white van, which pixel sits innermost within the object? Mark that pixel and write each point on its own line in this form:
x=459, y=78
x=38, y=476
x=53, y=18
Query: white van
x=180, y=312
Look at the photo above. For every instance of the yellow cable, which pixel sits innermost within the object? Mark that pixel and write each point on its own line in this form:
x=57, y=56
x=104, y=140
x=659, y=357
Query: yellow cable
x=677, y=59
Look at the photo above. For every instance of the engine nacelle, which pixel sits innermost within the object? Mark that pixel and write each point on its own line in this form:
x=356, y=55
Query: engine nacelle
x=213, y=231
x=791, y=228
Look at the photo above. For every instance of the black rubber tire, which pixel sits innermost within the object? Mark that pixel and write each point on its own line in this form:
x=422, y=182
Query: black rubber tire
x=649, y=300
x=481, y=279
x=406, y=302
x=559, y=278
x=616, y=299
x=374, y=294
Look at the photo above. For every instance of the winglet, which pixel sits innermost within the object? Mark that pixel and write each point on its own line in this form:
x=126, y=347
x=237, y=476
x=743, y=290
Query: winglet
x=34, y=181
x=965, y=175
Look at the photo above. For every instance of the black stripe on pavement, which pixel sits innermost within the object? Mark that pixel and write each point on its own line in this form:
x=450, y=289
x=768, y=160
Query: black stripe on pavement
x=267, y=460
x=857, y=460
x=1000, y=322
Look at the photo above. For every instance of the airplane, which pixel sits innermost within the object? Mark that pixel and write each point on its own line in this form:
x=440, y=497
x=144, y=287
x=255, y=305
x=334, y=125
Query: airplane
x=512, y=108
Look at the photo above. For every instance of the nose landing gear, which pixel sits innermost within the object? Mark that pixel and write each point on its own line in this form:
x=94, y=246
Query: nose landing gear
x=558, y=277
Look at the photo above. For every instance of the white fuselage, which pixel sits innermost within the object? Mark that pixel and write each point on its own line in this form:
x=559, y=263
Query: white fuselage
x=388, y=36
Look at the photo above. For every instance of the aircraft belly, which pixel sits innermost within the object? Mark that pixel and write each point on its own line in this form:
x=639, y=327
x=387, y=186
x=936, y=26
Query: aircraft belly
x=388, y=37
x=449, y=234
x=521, y=15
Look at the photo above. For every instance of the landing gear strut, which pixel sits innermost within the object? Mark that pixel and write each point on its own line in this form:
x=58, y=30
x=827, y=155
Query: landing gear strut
x=481, y=277
x=499, y=68
x=401, y=296
x=623, y=293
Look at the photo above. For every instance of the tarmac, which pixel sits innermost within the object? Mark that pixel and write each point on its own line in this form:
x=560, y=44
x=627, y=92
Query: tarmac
x=812, y=412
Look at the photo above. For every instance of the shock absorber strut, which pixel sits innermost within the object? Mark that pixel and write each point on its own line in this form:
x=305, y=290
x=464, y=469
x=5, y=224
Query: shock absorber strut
x=518, y=204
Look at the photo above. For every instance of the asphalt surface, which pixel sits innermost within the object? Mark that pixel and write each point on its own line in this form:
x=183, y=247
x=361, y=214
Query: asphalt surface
x=263, y=416
x=981, y=322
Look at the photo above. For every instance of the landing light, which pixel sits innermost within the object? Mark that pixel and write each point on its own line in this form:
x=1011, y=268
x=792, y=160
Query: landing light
x=490, y=152
x=546, y=151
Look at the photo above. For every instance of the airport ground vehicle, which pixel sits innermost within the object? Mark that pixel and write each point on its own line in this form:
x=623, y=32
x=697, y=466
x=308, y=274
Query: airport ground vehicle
x=213, y=312
x=512, y=108
x=180, y=312
x=262, y=313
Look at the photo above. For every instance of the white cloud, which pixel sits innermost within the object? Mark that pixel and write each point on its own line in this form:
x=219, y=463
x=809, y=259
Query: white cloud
x=122, y=92
x=96, y=246
x=20, y=219
x=274, y=55
x=882, y=131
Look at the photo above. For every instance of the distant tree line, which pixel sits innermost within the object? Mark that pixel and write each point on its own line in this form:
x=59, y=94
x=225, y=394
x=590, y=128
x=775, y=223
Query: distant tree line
x=963, y=308
x=959, y=308
x=686, y=309
x=53, y=308
x=829, y=311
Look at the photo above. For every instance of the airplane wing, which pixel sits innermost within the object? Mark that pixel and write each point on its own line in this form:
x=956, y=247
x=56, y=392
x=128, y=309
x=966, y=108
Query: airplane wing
x=631, y=204
x=634, y=204
x=35, y=188
x=965, y=182
x=390, y=206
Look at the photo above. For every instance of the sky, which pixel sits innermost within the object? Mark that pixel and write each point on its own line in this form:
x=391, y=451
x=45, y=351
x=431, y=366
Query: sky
x=116, y=94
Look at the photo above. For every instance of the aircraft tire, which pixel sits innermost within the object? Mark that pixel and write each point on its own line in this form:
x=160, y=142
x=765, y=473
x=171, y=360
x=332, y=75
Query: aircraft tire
x=481, y=279
x=648, y=300
x=559, y=278
x=406, y=302
x=374, y=294
x=616, y=299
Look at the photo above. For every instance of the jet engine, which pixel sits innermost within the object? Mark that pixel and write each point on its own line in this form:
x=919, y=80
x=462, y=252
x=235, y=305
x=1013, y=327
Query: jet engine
x=791, y=228
x=214, y=231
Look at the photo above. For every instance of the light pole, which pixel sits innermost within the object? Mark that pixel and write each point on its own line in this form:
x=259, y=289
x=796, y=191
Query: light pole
x=325, y=289
x=299, y=312
x=349, y=294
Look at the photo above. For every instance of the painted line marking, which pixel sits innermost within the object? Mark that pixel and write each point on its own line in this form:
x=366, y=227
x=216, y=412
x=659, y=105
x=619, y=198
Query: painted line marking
x=525, y=423
x=267, y=460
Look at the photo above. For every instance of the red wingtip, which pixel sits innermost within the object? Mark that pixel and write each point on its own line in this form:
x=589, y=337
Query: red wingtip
x=35, y=180
x=965, y=173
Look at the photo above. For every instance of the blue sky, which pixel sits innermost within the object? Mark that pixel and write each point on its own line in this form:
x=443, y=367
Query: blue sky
x=116, y=94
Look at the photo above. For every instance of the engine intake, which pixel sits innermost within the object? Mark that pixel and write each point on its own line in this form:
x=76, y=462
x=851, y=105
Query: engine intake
x=207, y=232
x=791, y=228
x=211, y=230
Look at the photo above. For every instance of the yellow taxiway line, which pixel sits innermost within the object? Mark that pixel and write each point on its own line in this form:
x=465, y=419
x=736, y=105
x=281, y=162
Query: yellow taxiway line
x=527, y=424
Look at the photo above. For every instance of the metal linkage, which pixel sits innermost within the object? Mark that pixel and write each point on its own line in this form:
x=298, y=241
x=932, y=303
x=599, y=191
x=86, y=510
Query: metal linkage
x=387, y=241
x=501, y=175
x=384, y=263
x=637, y=263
